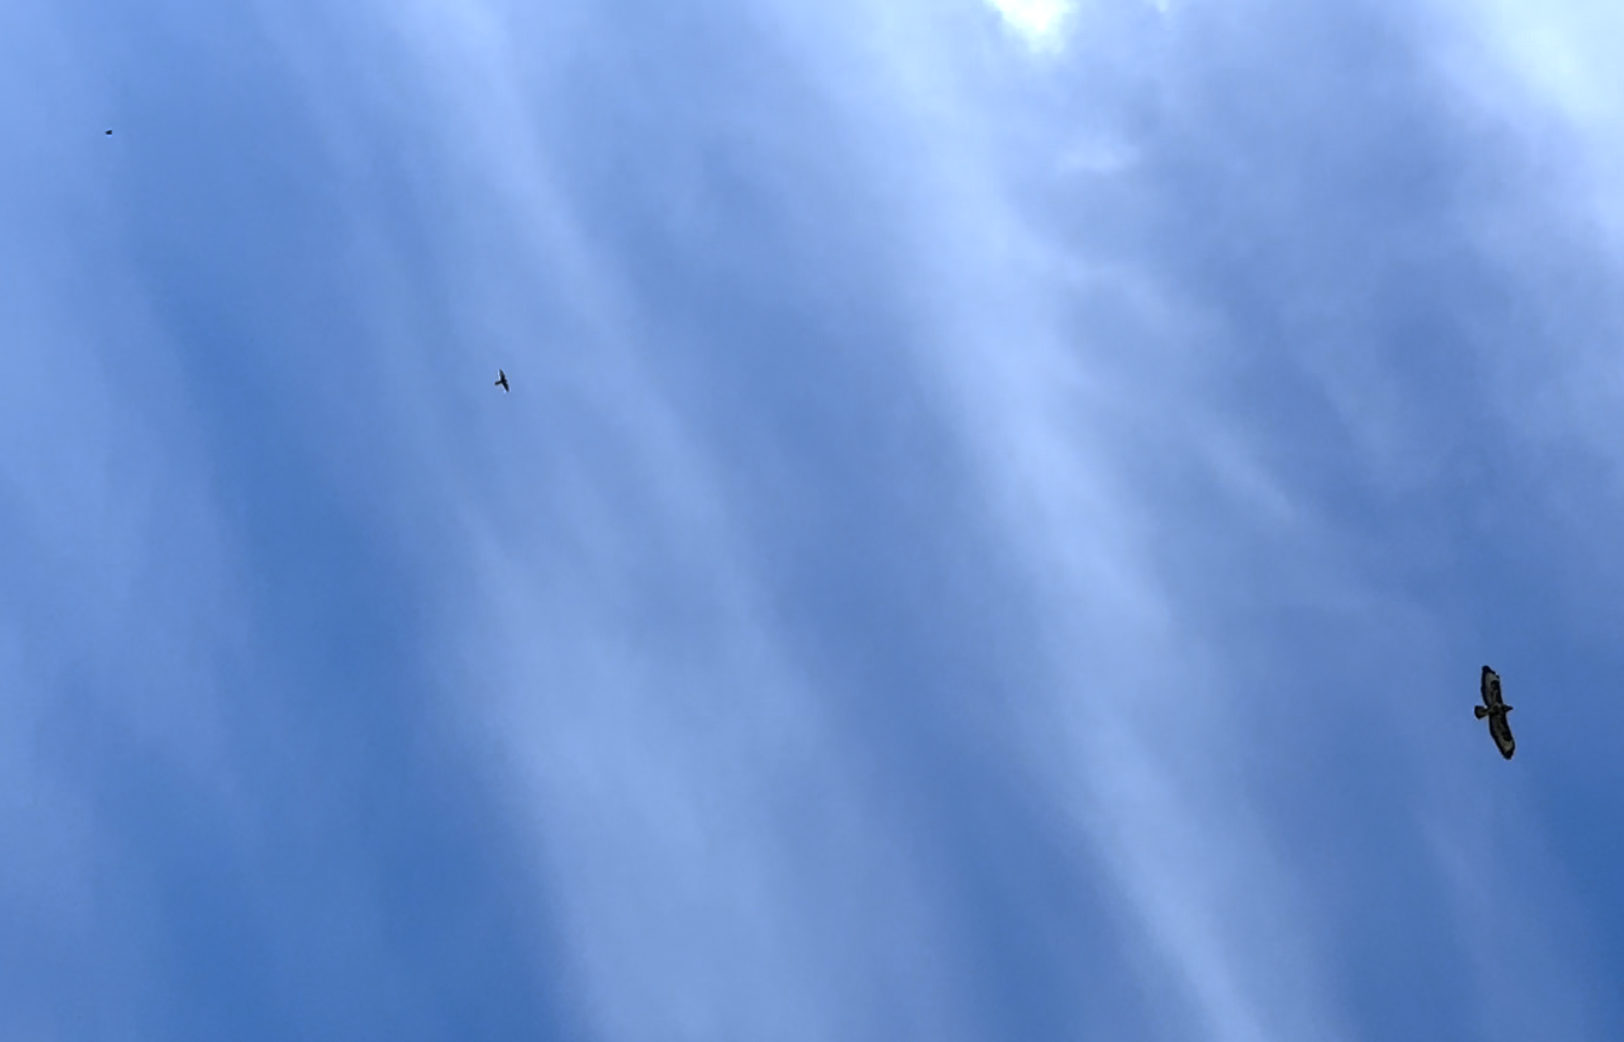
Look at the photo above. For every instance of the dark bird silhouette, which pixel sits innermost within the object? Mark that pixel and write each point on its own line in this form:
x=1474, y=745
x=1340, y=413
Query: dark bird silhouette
x=109, y=132
x=501, y=381
x=1495, y=708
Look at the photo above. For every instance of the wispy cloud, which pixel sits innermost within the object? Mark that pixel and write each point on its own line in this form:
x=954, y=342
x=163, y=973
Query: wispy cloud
x=976, y=548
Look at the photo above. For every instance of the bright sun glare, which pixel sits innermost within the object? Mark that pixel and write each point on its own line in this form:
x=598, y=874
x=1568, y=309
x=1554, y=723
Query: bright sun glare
x=1038, y=22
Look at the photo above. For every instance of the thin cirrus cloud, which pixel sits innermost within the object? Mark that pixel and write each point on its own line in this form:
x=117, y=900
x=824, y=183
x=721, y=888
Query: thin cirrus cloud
x=977, y=547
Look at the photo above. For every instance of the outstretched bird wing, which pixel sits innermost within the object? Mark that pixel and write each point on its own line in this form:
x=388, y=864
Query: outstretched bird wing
x=1500, y=728
x=1497, y=712
x=1490, y=687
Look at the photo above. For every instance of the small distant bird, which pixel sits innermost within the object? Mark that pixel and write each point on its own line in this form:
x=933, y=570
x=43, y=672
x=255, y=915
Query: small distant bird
x=109, y=132
x=1495, y=708
x=501, y=381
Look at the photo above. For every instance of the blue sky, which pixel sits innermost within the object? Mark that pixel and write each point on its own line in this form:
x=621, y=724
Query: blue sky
x=994, y=533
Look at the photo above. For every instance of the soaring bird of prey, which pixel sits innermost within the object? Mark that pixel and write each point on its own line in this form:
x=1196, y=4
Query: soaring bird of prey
x=501, y=381
x=1495, y=708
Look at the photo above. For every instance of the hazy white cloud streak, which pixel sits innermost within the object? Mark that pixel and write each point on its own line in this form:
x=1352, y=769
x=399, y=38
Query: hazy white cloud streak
x=1132, y=734
x=976, y=548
